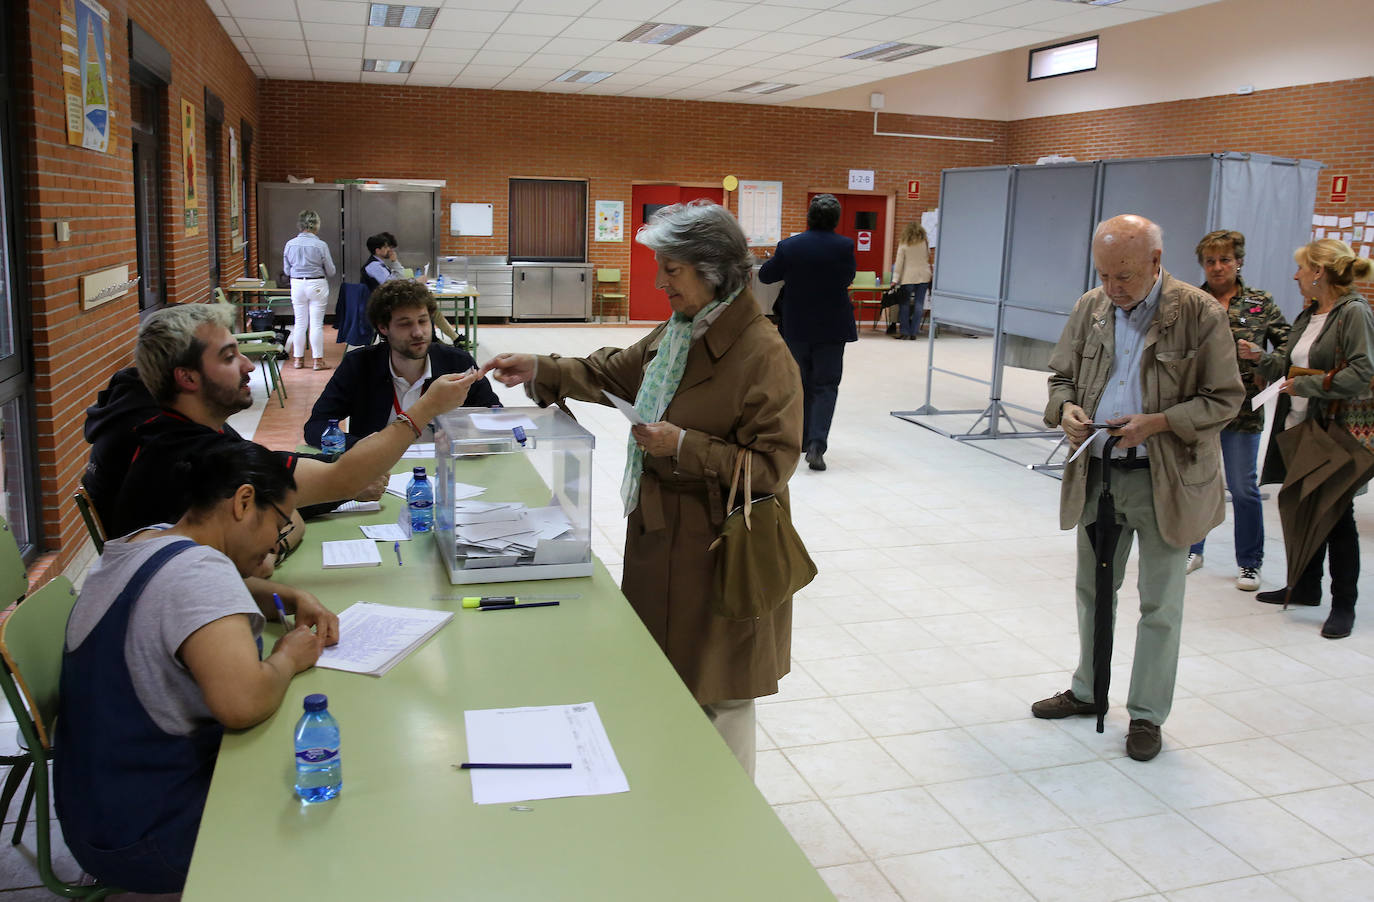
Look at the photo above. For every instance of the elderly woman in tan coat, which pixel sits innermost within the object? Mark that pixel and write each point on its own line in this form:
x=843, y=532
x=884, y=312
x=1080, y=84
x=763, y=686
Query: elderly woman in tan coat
x=715, y=379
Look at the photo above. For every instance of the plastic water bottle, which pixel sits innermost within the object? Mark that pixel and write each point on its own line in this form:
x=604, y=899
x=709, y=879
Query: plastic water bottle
x=319, y=772
x=439, y=282
x=332, y=439
x=420, y=500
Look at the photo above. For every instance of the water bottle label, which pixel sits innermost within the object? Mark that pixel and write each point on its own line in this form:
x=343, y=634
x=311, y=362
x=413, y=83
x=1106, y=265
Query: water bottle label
x=316, y=755
x=419, y=505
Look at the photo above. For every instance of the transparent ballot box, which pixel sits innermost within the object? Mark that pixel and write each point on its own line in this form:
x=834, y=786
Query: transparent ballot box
x=511, y=510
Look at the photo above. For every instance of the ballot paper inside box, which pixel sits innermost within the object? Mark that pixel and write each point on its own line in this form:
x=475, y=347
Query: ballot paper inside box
x=513, y=494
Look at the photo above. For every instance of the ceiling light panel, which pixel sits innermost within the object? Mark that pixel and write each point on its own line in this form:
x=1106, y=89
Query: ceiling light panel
x=376, y=65
x=394, y=15
x=661, y=33
x=762, y=87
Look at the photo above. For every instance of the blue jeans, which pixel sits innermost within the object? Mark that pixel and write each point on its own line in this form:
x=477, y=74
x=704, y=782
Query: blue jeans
x=1239, y=452
x=912, y=308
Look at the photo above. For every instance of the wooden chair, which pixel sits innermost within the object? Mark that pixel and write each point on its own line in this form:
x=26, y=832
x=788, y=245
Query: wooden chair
x=31, y=642
x=90, y=517
x=613, y=299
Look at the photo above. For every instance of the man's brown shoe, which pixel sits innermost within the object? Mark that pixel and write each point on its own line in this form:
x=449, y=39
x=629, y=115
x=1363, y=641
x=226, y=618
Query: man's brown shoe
x=1065, y=704
x=1142, y=740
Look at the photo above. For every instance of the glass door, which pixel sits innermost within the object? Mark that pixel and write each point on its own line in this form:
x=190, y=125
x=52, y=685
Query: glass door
x=145, y=100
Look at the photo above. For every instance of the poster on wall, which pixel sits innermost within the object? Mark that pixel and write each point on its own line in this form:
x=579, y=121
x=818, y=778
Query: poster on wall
x=610, y=220
x=188, y=167
x=760, y=212
x=235, y=193
x=86, y=74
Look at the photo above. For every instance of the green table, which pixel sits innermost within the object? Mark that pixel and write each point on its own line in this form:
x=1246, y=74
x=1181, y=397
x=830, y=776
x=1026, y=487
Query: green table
x=691, y=827
x=466, y=299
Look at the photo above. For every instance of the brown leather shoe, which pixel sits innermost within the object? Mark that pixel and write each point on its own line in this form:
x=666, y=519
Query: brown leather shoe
x=1142, y=740
x=298, y=362
x=320, y=364
x=1065, y=704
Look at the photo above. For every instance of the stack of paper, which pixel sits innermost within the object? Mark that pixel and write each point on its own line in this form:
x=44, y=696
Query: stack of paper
x=571, y=734
x=396, y=485
x=357, y=507
x=373, y=638
x=491, y=533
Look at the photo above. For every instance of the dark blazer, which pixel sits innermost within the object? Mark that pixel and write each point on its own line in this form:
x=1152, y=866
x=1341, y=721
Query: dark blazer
x=818, y=266
x=361, y=390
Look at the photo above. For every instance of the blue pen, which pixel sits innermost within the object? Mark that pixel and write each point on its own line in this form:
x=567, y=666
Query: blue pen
x=398, y=555
x=281, y=611
x=519, y=432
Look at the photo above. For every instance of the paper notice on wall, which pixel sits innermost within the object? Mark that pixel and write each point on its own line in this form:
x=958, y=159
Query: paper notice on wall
x=930, y=221
x=1347, y=222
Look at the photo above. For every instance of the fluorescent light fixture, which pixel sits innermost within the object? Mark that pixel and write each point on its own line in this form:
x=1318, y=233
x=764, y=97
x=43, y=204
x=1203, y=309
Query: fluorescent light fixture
x=395, y=15
x=584, y=76
x=892, y=50
x=761, y=87
x=1063, y=59
x=661, y=33
x=387, y=65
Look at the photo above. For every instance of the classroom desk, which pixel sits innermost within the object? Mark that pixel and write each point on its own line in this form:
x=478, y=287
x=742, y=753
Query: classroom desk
x=691, y=827
x=875, y=288
x=467, y=299
x=245, y=293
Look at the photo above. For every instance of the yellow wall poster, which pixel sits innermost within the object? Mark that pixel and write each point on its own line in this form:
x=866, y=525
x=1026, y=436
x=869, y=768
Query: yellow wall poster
x=86, y=74
x=188, y=166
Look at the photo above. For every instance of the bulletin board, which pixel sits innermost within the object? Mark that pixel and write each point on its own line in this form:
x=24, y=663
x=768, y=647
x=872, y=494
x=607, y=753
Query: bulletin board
x=760, y=212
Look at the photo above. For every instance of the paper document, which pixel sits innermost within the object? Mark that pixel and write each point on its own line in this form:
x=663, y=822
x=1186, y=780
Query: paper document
x=625, y=407
x=350, y=553
x=386, y=532
x=373, y=638
x=502, y=422
x=419, y=451
x=1262, y=398
x=555, y=734
x=357, y=507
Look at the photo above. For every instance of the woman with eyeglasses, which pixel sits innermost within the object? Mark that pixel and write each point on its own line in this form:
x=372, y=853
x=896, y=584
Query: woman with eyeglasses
x=163, y=654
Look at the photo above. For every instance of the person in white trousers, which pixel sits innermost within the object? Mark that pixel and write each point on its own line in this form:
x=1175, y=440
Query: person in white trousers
x=307, y=261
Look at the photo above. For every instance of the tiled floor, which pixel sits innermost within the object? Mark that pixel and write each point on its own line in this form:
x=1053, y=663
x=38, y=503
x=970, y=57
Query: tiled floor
x=901, y=752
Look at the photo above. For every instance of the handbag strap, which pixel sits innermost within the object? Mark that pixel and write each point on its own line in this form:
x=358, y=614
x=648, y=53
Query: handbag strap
x=743, y=465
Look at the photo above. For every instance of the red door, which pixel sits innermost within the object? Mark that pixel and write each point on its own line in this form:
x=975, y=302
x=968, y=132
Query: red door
x=863, y=217
x=647, y=302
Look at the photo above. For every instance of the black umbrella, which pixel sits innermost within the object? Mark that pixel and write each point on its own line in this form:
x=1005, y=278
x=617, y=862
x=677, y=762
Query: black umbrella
x=1103, y=534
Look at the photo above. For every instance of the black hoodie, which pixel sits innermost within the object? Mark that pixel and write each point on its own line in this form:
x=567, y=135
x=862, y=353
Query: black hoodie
x=110, y=423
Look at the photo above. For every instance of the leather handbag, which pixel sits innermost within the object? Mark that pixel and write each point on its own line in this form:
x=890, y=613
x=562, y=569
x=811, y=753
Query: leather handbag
x=760, y=560
x=893, y=296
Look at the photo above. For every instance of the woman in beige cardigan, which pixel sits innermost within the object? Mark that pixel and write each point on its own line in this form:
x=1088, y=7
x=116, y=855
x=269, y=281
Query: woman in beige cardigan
x=1335, y=333
x=911, y=272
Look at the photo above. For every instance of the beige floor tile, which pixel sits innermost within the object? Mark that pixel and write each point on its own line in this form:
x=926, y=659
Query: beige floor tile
x=1343, y=813
x=1337, y=881
x=899, y=822
x=808, y=722
x=942, y=755
x=1170, y=852
x=1265, y=835
x=1067, y=866
x=1246, y=889
x=820, y=836
x=847, y=768
x=952, y=875
x=999, y=807
x=1093, y=793
x=894, y=712
x=856, y=883
x=1267, y=767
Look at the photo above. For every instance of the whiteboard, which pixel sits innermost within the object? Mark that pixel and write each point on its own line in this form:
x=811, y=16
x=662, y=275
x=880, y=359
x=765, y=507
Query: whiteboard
x=469, y=219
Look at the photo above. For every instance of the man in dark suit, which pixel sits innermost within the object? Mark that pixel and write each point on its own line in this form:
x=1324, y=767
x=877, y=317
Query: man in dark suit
x=372, y=385
x=817, y=317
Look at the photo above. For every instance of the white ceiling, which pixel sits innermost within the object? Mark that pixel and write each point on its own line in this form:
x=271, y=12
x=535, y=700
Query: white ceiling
x=523, y=45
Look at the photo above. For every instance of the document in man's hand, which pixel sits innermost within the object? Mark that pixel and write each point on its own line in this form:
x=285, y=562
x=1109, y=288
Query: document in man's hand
x=373, y=638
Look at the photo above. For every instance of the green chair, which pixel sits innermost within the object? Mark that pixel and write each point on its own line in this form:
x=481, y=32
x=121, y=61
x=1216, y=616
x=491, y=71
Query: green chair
x=31, y=643
x=261, y=348
x=612, y=299
x=90, y=517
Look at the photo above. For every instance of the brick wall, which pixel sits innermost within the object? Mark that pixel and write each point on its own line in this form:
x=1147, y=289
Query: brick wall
x=1331, y=123
x=75, y=351
x=477, y=140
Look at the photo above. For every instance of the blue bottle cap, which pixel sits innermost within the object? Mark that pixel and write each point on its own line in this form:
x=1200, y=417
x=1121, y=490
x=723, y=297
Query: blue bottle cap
x=316, y=702
x=333, y=422
x=418, y=472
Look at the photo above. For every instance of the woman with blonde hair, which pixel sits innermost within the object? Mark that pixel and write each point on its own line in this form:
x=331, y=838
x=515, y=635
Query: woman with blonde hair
x=1334, y=334
x=307, y=261
x=911, y=272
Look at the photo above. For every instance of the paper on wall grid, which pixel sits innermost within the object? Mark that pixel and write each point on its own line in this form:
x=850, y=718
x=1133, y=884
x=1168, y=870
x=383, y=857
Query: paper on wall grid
x=373, y=638
x=545, y=735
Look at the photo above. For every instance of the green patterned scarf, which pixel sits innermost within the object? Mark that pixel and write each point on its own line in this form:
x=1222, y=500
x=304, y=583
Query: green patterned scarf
x=661, y=379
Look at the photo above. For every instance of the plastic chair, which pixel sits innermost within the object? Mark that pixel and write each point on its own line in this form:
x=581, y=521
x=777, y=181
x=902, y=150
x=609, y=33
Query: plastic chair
x=31, y=643
x=609, y=298
x=263, y=274
x=262, y=348
x=867, y=281
x=90, y=516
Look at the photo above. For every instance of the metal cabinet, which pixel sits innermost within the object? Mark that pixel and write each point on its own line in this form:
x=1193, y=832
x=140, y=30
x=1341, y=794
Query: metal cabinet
x=551, y=291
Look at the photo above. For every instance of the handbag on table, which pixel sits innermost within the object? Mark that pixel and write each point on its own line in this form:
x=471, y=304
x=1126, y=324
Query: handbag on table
x=760, y=559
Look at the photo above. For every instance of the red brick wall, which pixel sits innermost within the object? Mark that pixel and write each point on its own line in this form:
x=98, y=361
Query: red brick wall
x=75, y=351
x=1332, y=123
x=477, y=140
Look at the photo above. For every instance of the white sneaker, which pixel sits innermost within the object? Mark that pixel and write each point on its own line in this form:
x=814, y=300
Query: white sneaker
x=1249, y=579
x=1195, y=563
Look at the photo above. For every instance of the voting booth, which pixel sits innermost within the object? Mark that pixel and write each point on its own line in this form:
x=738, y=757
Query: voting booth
x=512, y=494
